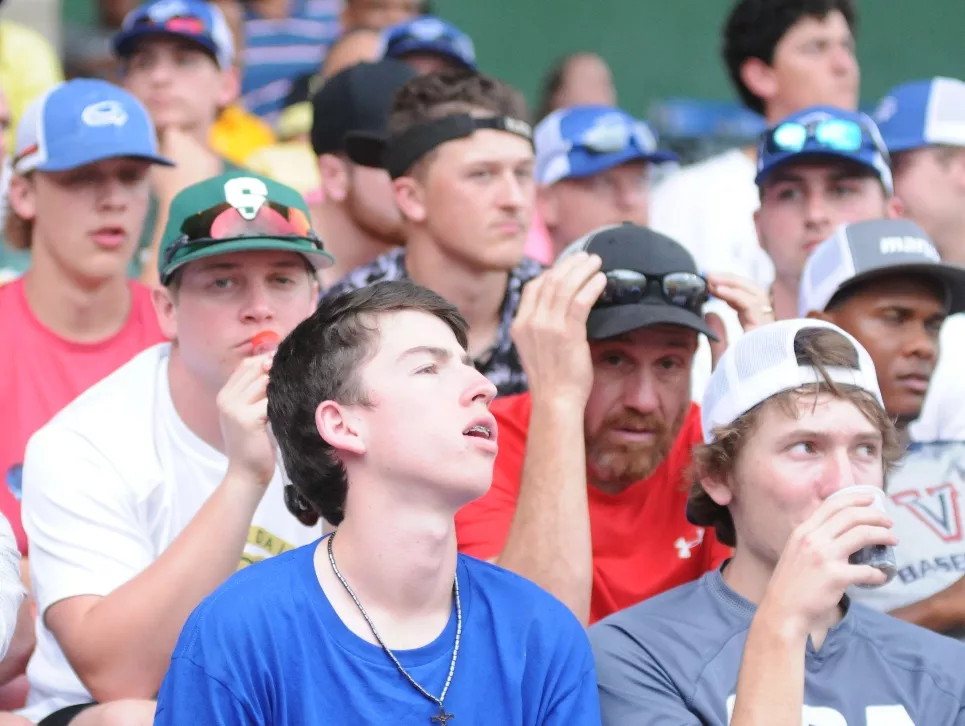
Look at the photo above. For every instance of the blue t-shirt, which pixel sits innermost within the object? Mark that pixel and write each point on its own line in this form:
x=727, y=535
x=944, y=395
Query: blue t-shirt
x=673, y=660
x=267, y=648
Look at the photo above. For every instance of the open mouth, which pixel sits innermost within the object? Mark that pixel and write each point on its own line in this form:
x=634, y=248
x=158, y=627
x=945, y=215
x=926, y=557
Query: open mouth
x=479, y=431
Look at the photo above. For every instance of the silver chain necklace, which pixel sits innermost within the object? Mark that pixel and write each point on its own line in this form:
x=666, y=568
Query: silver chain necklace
x=443, y=717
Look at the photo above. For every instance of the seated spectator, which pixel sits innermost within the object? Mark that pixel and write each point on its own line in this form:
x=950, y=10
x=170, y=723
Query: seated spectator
x=285, y=39
x=593, y=167
x=149, y=490
x=384, y=612
x=461, y=159
x=883, y=282
x=782, y=56
x=791, y=421
x=380, y=13
x=178, y=59
x=358, y=214
x=922, y=125
x=429, y=44
x=817, y=169
x=84, y=151
x=577, y=79
x=362, y=44
x=587, y=498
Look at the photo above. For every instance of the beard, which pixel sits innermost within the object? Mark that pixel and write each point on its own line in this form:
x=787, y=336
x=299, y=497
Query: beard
x=616, y=463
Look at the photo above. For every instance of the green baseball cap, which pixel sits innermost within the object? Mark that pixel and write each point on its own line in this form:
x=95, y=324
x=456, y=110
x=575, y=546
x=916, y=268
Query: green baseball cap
x=237, y=212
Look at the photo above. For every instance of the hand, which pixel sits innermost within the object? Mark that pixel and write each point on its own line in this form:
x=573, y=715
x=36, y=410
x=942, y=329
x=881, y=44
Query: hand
x=550, y=328
x=813, y=571
x=749, y=301
x=243, y=404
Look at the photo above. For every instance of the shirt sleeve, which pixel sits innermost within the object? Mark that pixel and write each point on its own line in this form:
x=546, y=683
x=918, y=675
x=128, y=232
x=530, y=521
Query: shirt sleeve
x=190, y=695
x=81, y=518
x=633, y=687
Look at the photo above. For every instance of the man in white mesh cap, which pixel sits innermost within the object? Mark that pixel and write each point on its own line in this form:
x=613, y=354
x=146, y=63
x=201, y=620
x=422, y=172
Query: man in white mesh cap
x=884, y=282
x=792, y=417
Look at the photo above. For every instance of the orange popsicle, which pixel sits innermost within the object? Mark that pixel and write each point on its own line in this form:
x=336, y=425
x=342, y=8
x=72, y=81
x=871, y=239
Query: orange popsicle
x=264, y=342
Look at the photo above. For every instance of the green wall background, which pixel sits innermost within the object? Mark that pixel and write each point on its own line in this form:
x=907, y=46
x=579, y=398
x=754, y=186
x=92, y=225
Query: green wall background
x=665, y=48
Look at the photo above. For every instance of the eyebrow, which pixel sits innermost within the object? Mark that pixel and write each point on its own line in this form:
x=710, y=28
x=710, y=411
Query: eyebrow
x=440, y=355
x=675, y=343
x=227, y=266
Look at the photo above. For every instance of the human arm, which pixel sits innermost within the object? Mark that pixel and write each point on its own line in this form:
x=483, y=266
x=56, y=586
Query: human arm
x=549, y=538
x=942, y=612
x=114, y=605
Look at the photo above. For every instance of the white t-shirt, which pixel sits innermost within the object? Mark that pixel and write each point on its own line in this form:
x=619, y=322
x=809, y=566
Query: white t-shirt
x=926, y=501
x=108, y=485
x=943, y=415
x=709, y=209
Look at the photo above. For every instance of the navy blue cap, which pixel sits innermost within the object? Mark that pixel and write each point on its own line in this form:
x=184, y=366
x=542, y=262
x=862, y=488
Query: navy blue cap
x=427, y=34
x=195, y=20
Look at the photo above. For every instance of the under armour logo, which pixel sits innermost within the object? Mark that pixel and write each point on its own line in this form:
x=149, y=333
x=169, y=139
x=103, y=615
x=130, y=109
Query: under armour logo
x=104, y=113
x=684, y=546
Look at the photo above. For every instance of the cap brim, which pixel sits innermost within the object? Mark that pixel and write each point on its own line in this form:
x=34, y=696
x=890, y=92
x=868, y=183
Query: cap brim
x=124, y=43
x=608, y=322
x=402, y=48
x=365, y=148
x=91, y=155
x=817, y=154
x=589, y=164
x=952, y=275
x=319, y=259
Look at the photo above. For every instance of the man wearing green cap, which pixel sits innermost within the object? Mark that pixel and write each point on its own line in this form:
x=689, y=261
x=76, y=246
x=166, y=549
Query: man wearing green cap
x=145, y=493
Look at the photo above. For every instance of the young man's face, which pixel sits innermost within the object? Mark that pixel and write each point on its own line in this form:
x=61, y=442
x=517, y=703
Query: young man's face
x=790, y=464
x=814, y=64
x=475, y=198
x=586, y=80
x=88, y=219
x=639, y=399
x=803, y=203
x=223, y=300
x=370, y=203
x=379, y=13
x=930, y=183
x=424, y=394
x=181, y=84
x=572, y=208
x=897, y=319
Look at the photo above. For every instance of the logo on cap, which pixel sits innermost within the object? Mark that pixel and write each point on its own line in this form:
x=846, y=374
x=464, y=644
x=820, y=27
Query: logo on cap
x=427, y=29
x=104, y=113
x=886, y=109
x=909, y=246
x=246, y=194
x=167, y=9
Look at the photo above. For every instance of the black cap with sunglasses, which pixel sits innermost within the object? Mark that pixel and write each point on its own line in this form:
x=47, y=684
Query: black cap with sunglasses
x=651, y=280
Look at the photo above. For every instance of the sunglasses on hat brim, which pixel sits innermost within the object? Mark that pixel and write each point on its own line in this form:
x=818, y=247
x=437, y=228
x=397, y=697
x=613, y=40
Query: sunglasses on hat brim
x=686, y=290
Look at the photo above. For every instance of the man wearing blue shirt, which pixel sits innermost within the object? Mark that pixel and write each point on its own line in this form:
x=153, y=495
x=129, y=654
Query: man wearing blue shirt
x=384, y=427
x=793, y=415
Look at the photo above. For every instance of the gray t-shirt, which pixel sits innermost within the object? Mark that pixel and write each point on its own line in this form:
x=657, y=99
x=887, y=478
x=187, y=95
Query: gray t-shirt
x=673, y=660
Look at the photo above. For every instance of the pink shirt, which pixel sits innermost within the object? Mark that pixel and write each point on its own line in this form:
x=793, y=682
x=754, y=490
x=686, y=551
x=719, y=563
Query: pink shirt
x=40, y=373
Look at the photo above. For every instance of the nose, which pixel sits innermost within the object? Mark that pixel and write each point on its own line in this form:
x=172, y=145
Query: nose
x=840, y=473
x=478, y=388
x=817, y=210
x=514, y=193
x=640, y=393
x=258, y=306
x=922, y=343
x=843, y=60
x=113, y=193
x=633, y=202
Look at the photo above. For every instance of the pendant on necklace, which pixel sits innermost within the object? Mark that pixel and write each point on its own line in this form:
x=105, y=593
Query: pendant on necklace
x=443, y=717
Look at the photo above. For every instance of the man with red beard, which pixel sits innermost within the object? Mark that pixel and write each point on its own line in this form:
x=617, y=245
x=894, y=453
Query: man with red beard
x=588, y=496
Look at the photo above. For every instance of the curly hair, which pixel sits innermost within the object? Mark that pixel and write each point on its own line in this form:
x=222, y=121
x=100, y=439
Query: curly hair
x=755, y=27
x=820, y=348
x=321, y=360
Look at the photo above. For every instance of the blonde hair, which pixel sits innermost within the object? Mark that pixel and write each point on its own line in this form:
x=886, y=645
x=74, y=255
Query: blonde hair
x=820, y=348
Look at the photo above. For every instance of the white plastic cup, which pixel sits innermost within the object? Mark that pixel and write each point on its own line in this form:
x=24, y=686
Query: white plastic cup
x=880, y=556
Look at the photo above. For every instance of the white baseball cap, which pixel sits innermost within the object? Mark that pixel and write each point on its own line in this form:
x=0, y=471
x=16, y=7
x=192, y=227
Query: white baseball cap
x=763, y=363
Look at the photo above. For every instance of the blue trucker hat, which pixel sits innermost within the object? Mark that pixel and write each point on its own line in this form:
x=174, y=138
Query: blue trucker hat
x=580, y=141
x=923, y=113
x=82, y=121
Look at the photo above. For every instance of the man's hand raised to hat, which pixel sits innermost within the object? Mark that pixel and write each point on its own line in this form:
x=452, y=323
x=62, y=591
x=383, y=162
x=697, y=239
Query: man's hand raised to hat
x=747, y=299
x=550, y=328
x=243, y=405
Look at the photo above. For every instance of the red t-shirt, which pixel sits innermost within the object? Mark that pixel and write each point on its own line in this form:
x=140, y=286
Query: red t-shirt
x=642, y=541
x=40, y=373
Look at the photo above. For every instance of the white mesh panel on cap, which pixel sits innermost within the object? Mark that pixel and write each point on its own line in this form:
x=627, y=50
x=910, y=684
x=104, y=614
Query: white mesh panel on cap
x=762, y=363
x=826, y=269
x=945, y=117
x=552, y=160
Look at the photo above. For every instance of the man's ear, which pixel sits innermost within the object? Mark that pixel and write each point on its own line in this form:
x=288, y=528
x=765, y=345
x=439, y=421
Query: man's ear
x=410, y=196
x=165, y=306
x=895, y=208
x=335, y=177
x=23, y=197
x=821, y=315
x=760, y=79
x=718, y=489
x=339, y=429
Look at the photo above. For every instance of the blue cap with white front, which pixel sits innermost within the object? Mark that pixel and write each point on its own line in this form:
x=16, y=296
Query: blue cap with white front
x=198, y=21
x=824, y=131
x=427, y=34
x=923, y=113
x=82, y=121
x=580, y=141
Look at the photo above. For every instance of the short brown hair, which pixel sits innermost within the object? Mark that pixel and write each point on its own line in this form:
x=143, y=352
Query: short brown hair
x=320, y=361
x=819, y=348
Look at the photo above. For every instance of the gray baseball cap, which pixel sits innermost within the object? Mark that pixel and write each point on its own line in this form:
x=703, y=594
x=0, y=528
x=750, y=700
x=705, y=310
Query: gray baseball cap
x=861, y=251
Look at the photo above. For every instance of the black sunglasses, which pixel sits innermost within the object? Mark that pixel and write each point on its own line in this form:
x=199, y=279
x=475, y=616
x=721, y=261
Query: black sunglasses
x=680, y=289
